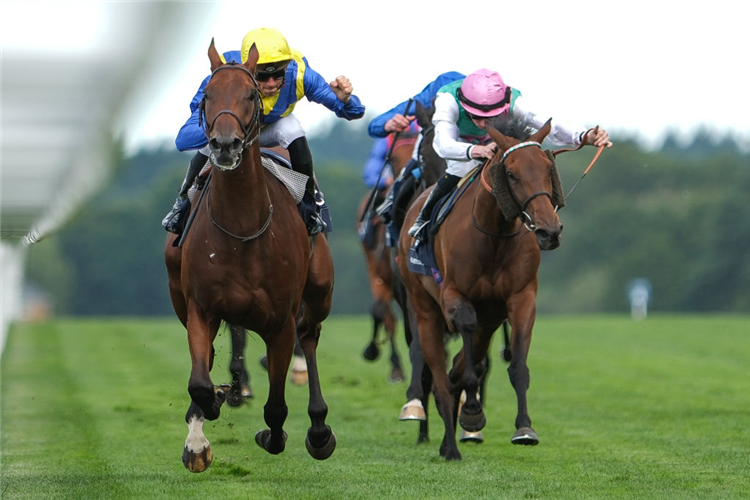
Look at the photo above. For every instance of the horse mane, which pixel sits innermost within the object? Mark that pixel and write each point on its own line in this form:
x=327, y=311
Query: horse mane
x=512, y=127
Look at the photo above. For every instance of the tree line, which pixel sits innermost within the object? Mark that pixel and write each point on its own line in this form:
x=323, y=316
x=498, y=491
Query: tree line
x=676, y=216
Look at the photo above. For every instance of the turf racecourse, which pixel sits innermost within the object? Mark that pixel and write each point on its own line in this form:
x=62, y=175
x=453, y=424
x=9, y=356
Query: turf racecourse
x=656, y=409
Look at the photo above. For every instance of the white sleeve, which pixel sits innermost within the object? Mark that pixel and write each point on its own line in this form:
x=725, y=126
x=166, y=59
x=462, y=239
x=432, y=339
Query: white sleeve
x=446, y=142
x=560, y=135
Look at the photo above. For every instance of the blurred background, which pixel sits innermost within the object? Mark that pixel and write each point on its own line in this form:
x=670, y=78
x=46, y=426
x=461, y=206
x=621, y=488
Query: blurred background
x=93, y=94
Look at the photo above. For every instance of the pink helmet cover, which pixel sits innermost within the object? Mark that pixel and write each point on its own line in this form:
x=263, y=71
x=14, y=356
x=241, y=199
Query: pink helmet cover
x=484, y=93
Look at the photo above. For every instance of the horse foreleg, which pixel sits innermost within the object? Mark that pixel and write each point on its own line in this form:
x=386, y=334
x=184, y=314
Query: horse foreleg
x=372, y=351
x=389, y=323
x=431, y=327
x=320, y=440
x=462, y=315
x=279, y=349
x=197, y=454
x=202, y=390
x=521, y=315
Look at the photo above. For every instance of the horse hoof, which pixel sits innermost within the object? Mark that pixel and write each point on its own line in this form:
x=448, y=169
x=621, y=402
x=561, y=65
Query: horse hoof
x=371, y=352
x=197, y=462
x=263, y=439
x=324, y=451
x=413, y=410
x=247, y=392
x=506, y=355
x=298, y=377
x=234, y=399
x=525, y=435
x=474, y=437
x=472, y=423
x=397, y=376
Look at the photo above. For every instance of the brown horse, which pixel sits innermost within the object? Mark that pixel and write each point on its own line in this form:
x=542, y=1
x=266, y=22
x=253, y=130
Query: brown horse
x=488, y=253
x=247, y=260
x=378, y=261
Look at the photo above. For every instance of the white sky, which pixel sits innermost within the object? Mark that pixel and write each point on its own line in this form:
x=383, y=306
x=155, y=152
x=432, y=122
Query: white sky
x=638, y=66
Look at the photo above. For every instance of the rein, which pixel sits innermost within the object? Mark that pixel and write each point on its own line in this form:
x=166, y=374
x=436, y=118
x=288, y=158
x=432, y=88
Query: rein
x=596, y=157
x=243, y=239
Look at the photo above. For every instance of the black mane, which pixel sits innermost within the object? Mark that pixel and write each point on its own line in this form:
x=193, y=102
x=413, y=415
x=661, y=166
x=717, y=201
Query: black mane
x=511, y=127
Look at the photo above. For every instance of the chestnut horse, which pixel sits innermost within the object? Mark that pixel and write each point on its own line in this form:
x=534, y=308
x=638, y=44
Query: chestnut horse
x=488, y=253
x=247, y=260
x=378, y=261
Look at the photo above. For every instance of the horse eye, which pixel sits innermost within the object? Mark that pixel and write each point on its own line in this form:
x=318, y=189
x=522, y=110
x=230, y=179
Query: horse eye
x=510, y=175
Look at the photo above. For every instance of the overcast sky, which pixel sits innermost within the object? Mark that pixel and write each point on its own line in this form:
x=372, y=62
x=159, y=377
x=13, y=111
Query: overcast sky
x=632, y=66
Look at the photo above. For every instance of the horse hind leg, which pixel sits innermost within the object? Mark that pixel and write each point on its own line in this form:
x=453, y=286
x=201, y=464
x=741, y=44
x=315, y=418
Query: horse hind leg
x=240, y=389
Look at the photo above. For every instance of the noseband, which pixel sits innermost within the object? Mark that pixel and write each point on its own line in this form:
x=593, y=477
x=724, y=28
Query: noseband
x=527, y=220
x=254, y=124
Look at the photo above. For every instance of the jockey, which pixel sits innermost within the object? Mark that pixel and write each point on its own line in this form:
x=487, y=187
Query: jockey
x=462, y=112
x=399, y=119
x=284, y=77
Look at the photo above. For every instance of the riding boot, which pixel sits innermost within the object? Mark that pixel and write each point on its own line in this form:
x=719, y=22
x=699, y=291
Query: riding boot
x=442, y=187
x=301, y=160
x=174, y=221
x=385, y=209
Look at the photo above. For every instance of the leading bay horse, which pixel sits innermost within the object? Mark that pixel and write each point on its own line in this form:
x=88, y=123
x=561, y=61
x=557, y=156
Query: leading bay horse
x=488, y=252
x=378, y=260
x=247, y=260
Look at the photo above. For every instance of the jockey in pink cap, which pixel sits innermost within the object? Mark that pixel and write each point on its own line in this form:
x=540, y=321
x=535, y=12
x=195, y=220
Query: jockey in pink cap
x=462, y=110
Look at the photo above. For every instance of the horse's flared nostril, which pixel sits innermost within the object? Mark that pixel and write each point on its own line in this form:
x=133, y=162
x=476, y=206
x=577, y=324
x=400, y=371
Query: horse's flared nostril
x=548, y=240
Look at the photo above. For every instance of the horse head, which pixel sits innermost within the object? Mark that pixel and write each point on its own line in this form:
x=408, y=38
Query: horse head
x=433, y=166
x=231, y=108
x=525, y=184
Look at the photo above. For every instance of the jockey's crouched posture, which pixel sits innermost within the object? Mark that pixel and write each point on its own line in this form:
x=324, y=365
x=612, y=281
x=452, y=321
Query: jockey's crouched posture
x=284, y=77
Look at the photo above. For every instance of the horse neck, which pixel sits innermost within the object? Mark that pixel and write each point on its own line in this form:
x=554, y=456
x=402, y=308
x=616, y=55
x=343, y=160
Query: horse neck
x=241, y=194
x=487, y=215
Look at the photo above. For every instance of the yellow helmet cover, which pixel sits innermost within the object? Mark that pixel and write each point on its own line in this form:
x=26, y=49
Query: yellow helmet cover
x=271, y=44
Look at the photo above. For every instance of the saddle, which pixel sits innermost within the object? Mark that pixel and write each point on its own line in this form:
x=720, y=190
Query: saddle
x=421, y=253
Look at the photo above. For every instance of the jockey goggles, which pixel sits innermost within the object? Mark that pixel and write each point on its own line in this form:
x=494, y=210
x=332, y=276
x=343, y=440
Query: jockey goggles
x=263, y=76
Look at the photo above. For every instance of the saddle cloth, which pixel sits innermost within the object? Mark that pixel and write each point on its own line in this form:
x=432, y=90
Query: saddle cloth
x=278, y=165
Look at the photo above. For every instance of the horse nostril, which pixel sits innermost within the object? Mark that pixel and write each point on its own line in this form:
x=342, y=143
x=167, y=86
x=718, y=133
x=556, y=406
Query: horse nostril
x=214, y=144
x=236, y=144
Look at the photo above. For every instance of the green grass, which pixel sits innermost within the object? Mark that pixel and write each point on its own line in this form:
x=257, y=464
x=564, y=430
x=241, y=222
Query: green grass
x=656, y=409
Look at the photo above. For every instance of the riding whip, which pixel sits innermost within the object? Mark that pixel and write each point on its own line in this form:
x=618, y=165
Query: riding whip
x=193, y=212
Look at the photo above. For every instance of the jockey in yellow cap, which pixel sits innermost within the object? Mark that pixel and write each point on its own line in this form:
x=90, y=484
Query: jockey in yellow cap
x=284, y=78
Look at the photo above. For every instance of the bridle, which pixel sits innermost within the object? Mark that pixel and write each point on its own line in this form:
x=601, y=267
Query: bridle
x=525, y=217
x=252, y=128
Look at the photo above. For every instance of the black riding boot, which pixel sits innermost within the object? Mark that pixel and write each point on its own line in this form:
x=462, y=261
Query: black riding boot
x=174, y=221
x=301, y=160
x=443, y=186
x=385, y=209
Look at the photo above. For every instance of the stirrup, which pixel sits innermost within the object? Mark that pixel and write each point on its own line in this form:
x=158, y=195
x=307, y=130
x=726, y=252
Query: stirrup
x=416, y=230
x=316, y=225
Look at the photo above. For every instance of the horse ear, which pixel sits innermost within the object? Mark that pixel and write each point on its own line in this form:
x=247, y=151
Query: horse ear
x=542, y=132
x=503, y=141
x=213, y=56
x=252, y=58
x=423, y=115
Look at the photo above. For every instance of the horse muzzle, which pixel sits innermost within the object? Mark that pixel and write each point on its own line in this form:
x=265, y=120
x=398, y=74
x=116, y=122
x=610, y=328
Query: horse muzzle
x=226, y=152
x=548, y=237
